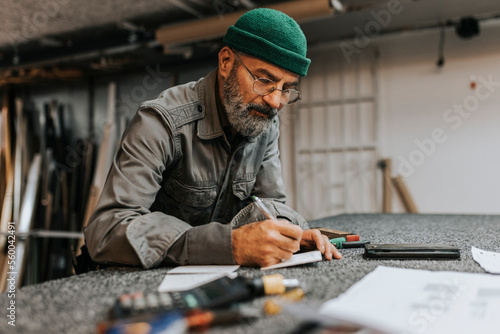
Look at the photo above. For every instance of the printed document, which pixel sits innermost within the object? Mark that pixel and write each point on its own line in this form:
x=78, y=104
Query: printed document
x=490, y=261
x=410, y=301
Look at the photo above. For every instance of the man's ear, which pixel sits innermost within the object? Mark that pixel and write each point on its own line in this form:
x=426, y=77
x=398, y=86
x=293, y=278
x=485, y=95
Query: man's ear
x=226, y=61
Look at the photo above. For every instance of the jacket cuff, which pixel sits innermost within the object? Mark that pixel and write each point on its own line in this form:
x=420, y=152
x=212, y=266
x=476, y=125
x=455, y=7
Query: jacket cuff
x=150, y=239
x=251, y=214
x=210, y=244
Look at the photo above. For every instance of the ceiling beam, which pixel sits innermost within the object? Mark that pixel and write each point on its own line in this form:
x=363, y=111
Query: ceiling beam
x=216, y=26
x=187, y=8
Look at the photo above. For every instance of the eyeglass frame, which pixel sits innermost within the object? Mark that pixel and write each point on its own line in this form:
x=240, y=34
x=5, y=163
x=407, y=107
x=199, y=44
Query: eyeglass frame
x=275, y=88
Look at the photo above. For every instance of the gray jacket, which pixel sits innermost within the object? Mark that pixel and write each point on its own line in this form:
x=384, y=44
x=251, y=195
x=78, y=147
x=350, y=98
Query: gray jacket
x=176, y=187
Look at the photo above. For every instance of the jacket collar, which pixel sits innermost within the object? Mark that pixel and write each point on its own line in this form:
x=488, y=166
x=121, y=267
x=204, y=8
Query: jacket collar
x=209, y=127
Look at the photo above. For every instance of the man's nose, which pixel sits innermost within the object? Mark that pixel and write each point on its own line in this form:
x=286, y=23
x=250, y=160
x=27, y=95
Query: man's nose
x=273, y=99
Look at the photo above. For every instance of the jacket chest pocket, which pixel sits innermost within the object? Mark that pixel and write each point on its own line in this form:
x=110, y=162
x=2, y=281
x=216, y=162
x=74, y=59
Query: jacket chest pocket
x=242, y=188
x=194, y=196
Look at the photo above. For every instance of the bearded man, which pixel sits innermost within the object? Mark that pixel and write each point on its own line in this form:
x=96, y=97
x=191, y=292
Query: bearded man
x=180, y=188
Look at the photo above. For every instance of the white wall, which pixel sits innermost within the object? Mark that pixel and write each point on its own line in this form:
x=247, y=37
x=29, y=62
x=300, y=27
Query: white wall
x=455, y=167
x=450, y=161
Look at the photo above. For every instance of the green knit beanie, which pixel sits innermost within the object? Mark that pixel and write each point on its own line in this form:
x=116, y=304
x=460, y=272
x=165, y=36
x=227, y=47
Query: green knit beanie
x=272, y=36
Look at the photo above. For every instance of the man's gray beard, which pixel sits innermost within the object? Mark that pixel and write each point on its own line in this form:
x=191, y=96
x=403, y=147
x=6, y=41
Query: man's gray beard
x=238, y=113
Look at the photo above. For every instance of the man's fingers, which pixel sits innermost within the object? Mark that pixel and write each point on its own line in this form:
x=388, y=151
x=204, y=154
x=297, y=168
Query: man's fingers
x=279, y=236
x=323, y=244
x=275, y=256
x=288, y=229
x=332, y=251
x=314, y=239
x=319, y=239
x=261, y=244
x=287, y=244
x=336, y=253
x=329, y=247
x=284, y=255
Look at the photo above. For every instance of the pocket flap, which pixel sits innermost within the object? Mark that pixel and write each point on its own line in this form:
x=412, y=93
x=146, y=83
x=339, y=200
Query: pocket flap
x=243, y=188
x=197, y=196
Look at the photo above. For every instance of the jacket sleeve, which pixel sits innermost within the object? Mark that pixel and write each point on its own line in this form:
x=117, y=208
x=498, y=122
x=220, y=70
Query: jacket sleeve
x=269, y=185
x=122, y=229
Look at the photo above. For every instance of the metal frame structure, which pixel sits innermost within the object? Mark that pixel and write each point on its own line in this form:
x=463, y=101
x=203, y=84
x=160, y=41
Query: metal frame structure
x=319, y=190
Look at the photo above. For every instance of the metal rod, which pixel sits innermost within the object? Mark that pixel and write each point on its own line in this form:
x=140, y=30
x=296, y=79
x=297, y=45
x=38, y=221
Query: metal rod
x=47, y=234
x=337, y=148
x=338, y=101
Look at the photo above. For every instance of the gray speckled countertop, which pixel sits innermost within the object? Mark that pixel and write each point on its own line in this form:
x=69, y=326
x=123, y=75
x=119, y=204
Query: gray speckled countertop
x=76, y=304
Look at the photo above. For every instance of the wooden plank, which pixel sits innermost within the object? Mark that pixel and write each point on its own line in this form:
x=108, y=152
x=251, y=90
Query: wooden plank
x=7, y=204
x=3, y=176
x=26, y=217
x=386, y=167
x=57, y=255
x=404, y=194
x=104, y=159
x=59, y=264
x=3, y=167
x=19, y=137
x=45, y=208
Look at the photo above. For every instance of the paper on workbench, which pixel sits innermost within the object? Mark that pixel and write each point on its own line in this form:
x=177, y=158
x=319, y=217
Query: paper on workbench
x=411, y=301
x=189, y=277
x=207, y=269
x=490, y=261
x=296, y=259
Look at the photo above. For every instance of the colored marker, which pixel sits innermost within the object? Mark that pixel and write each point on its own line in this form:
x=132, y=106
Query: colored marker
x=337, y=242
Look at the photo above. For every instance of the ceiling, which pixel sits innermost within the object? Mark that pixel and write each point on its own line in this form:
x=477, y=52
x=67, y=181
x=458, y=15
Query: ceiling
x=413, y=15
x=94, y=37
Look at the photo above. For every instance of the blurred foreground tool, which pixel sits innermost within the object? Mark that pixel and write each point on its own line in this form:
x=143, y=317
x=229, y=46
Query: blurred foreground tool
x=202, y=320
x=274, y=284
x=216, y=294
x=170, y=322
x=196, y=309
x=273, y=306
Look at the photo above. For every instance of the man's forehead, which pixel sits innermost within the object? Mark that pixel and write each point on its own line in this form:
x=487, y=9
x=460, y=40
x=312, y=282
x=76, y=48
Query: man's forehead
x=275, y=73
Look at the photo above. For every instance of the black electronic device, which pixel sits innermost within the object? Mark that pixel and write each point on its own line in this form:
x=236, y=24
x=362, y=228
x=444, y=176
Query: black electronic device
x=218, y=293
x=355, y=244
x=411, y=252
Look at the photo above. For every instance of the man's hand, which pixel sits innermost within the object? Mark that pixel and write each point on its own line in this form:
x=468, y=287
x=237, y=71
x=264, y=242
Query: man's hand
x=312, y=239
x=265, y=243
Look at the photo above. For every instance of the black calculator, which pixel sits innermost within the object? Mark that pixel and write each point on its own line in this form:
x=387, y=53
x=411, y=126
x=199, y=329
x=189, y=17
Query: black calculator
x=218, y=293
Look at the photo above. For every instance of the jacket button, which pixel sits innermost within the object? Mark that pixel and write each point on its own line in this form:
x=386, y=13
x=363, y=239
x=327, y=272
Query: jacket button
x=200, y=108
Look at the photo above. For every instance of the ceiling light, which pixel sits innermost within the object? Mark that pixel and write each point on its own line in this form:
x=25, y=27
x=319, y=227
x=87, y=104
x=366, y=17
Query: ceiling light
x=468, y=27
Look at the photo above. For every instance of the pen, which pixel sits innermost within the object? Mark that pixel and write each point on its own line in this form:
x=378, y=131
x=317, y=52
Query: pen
x=263, y=208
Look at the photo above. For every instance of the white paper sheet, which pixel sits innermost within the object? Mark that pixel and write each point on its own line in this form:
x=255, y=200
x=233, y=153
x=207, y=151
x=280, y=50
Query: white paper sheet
x=296, y=259
x=490, y=261
x=188, y=277
x=203, y=269
x=410, y=301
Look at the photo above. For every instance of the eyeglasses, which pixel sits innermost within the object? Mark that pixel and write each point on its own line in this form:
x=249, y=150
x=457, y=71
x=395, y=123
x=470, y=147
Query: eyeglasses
x=264, y=86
